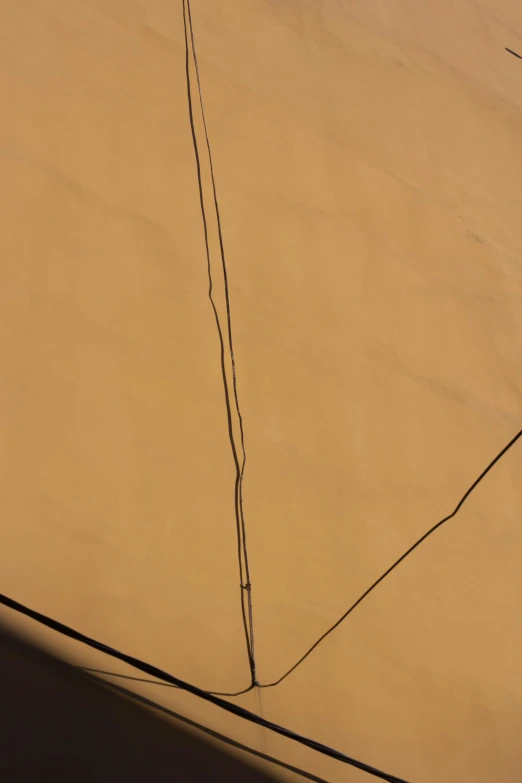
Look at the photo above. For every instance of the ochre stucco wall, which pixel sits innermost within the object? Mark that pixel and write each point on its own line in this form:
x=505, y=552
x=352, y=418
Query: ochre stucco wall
x=368, y=162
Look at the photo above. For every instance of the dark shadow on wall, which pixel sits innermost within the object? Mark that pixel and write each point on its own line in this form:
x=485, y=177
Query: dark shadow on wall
x=59, y=724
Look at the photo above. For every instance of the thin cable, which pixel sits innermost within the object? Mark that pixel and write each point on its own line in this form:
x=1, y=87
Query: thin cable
x=215, y=734
x=239, y=525
x=156, y=682
x=396, y=563
x=154, y=671
x=248, y=585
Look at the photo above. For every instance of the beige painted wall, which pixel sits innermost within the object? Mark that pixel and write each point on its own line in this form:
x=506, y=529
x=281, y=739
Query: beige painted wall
x=368, y=158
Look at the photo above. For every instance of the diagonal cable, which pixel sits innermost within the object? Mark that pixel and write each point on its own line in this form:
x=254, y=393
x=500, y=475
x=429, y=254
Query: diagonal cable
x=394, y=565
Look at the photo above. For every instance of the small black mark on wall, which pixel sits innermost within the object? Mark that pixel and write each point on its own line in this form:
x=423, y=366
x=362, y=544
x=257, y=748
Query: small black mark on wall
x=514, y=53
x=477, y=238
x=404, y=66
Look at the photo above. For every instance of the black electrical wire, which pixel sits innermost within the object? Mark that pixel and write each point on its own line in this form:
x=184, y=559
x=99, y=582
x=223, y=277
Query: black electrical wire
x=89, y=670
x=247, y=585
x=154, y=671
x=394, y=565
x=244, y=572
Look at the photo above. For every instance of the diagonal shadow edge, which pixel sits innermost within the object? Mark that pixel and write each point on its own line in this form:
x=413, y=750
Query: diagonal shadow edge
x=206, y=730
